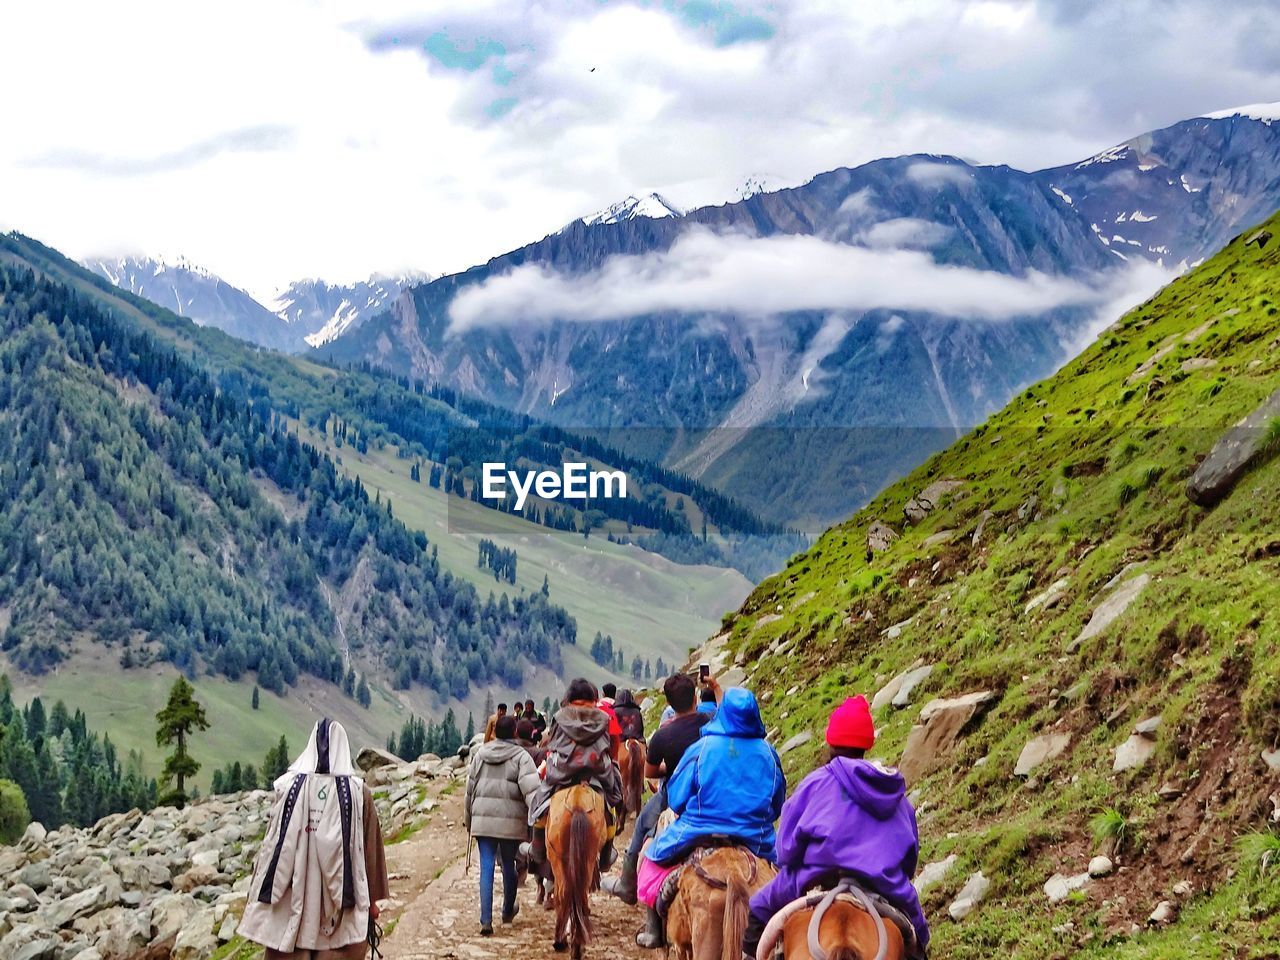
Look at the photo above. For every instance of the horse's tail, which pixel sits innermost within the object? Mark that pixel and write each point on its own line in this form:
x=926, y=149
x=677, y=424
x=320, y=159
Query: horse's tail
x=634, y=788
x=737, y=912
x=580, y=865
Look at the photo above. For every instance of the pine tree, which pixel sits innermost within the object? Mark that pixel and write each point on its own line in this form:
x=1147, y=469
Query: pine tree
x=181, y=716
x=363, y=697
x=276, y=761
x=254, y=699
x=546, y=586
x=471, y=728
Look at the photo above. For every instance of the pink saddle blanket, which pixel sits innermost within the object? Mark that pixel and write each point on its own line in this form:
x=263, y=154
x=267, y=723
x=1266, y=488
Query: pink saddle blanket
x=649, y=880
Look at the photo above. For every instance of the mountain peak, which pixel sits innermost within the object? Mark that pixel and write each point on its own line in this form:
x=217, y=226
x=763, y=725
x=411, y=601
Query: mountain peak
x=652, y=205
x=1266, y=112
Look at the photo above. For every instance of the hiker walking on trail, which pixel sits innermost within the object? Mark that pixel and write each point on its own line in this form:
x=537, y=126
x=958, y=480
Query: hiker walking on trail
x=490, y=728
x=527, y=737
x=533, y=716
x=849, y=818
x=501, y=780
x=581, y=746
x=321, y=869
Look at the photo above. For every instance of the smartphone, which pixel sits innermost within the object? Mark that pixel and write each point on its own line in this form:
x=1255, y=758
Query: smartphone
x=704, y=671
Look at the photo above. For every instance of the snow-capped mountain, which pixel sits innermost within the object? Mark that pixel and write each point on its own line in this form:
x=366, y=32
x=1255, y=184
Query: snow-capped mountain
x=652, y=205
x=306, y=313
x=870, y=391
x=193, y=291
x=327, y=310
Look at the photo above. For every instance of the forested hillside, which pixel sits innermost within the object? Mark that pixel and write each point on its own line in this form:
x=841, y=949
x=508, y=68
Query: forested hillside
x=147, y=508
x=1068, y=621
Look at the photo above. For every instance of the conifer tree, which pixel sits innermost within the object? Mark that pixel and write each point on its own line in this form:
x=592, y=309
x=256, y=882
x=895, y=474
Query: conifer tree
x=254, y=699
x=181, y=716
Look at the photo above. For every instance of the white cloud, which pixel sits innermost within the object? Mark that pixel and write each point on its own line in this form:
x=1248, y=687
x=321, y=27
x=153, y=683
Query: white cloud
x=705, y=272
x=904, y=232
x=931, y=174
x=304, y=137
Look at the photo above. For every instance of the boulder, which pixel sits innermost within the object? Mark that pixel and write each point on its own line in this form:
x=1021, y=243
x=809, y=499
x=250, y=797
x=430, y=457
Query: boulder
x=970, y=895
x=1049, y=597
x=1163, y=914
x=371, y=757
x=198, y=876
x=1040, y=750
x=933, y=873
x=799, y=740
x=1133, y=753
x=59, y=913
x=1060, y=886
x=117, y=931
x=938, y=729
x=880, y=537
x=197, y=939
x=170, y=913
x=1110, y=609
x=898, y=691
x=1101, y=866
x=929, y=499
x=1234, y=452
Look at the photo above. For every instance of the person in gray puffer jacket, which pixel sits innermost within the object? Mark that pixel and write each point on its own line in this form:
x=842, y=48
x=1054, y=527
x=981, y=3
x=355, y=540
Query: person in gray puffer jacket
x=501, y=781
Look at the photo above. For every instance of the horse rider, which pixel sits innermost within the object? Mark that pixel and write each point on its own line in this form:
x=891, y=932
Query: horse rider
x=581, y=747
x=727, y=790
x=849, y=818
x=666, y=749
x=629, y=716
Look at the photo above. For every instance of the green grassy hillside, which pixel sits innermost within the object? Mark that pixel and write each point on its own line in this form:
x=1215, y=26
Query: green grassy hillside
x=1072, y=499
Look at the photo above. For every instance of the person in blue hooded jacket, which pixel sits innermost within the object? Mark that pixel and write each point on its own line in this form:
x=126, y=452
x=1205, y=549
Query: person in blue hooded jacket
x=729, y=784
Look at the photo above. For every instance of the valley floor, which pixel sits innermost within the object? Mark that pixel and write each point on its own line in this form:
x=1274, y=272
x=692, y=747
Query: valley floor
x=435, y=914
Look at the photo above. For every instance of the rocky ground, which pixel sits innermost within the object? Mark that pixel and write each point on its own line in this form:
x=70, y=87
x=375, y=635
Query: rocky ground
x=172, y=883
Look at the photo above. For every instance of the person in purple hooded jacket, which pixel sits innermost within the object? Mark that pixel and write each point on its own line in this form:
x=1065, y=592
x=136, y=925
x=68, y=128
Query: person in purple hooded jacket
x=850, y=817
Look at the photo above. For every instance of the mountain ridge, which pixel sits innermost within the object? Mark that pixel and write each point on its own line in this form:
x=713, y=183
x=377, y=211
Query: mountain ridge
x=682, y=374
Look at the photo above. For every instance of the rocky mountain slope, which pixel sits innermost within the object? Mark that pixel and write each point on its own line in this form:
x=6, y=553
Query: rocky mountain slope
x=1067, y=620
x=320, y=311
x=754, y=399
x=192, y=291
x=169, y=883
x=306, y=313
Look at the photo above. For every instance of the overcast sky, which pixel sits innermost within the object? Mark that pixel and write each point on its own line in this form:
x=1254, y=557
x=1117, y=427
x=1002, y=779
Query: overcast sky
x=276, y=139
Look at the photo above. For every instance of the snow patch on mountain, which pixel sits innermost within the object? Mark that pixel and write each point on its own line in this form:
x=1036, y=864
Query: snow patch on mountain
x=1266, y=112
x=652, y=205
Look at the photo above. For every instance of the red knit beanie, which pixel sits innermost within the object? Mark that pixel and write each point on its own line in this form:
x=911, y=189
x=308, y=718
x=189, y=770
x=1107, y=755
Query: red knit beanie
x=851, y=725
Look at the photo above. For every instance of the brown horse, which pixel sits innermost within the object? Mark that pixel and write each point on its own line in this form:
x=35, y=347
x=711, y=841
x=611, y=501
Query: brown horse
x=576, y=833
x=847, y=932
x=708, y=917
x=631, y=767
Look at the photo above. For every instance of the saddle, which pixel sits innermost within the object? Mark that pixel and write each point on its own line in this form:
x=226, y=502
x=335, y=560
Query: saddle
x=706, y=846
x=844, y=888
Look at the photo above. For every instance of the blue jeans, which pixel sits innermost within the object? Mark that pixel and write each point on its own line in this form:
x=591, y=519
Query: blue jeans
x=647, y=822
x=491, y=848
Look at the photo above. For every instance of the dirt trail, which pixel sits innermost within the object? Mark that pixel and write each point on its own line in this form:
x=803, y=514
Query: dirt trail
x=436, y=907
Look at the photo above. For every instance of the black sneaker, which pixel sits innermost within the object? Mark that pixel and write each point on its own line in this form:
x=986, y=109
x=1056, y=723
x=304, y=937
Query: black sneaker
x=486, y=929
x=508, y=918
